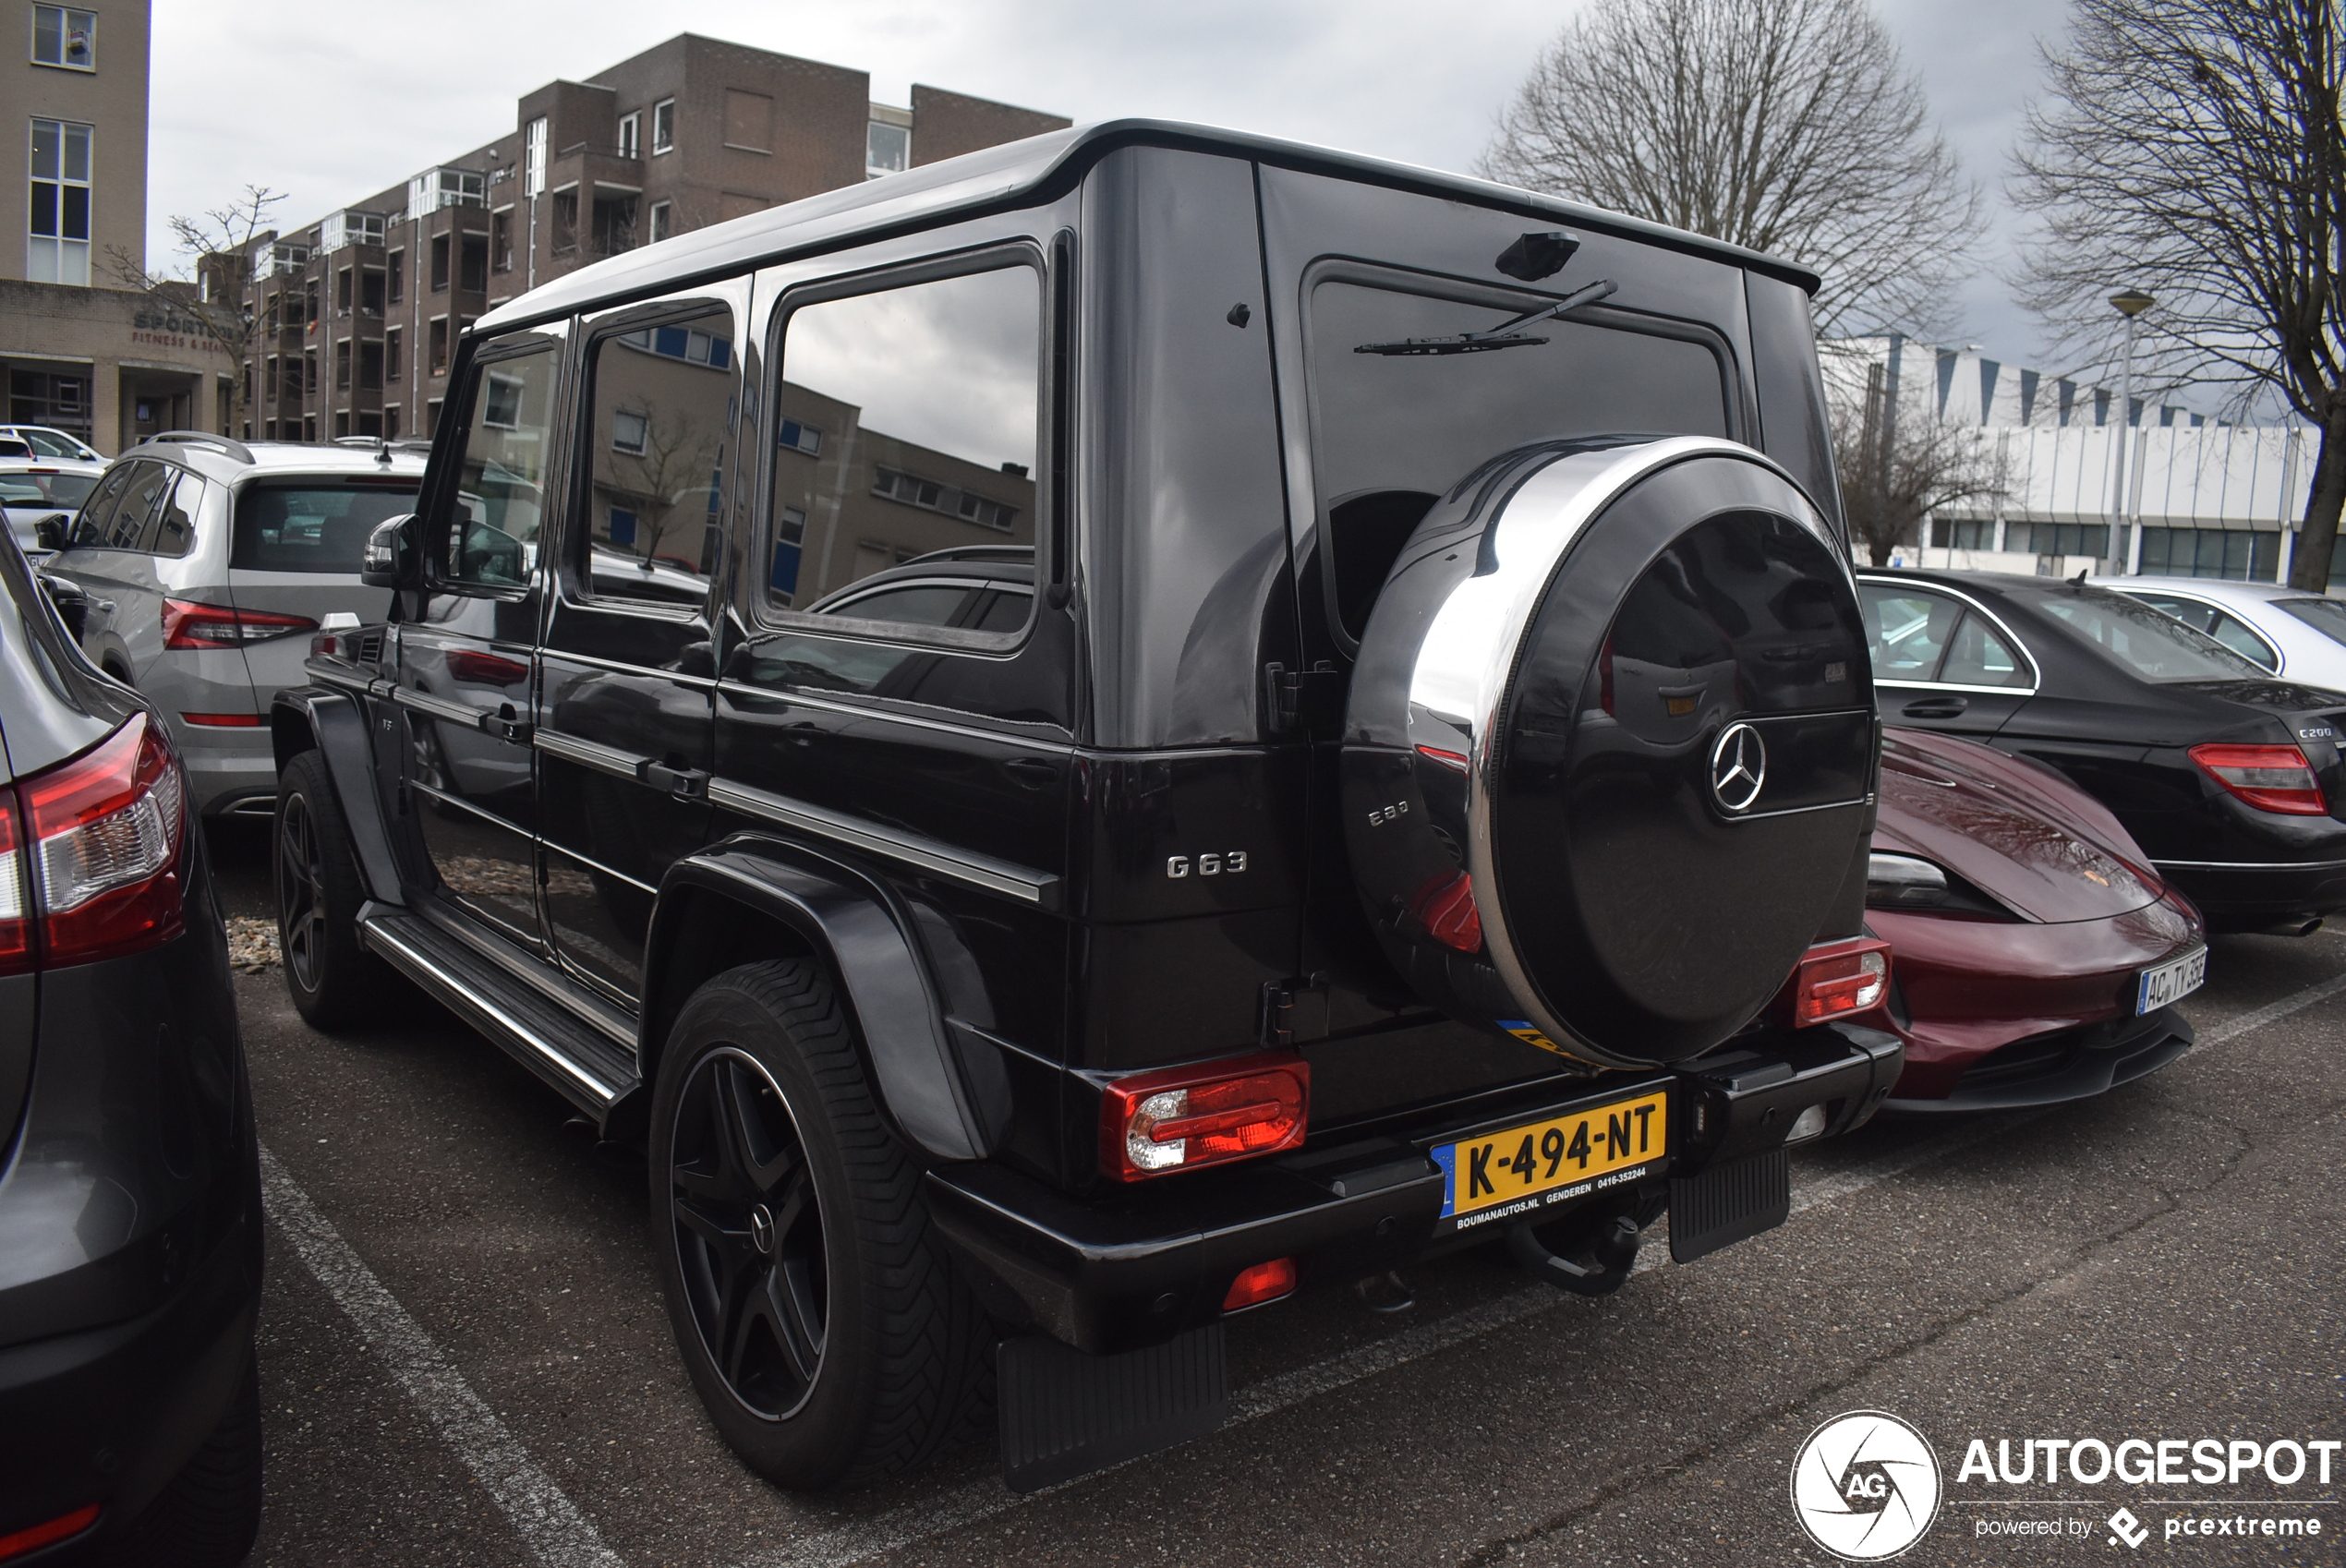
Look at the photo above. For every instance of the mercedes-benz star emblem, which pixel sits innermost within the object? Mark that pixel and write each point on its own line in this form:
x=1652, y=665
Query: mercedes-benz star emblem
x=761, y=1229
x=1739, y=767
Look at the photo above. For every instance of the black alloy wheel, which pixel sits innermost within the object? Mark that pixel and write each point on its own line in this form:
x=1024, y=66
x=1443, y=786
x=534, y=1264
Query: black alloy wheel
x=335, y=982
x=825, y=1331
x=749, y=1233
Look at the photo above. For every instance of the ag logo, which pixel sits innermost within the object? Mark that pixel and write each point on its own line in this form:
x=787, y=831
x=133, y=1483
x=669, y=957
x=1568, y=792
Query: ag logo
x=1865, y=1486
x=1739, y=767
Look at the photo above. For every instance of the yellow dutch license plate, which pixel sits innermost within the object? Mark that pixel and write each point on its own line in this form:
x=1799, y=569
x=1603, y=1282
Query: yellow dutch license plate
x=1500, y=1175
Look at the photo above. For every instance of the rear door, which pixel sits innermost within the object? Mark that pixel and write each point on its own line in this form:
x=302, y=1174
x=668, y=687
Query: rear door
x=1941, y=661
x=111, y=562
x=624, y=717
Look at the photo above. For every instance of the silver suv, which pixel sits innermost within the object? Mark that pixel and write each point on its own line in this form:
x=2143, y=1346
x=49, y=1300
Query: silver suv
x=208, y=564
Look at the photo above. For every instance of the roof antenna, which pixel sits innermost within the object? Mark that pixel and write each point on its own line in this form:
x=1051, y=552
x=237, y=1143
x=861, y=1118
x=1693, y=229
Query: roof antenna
x=382, y=453
x=2079, y=580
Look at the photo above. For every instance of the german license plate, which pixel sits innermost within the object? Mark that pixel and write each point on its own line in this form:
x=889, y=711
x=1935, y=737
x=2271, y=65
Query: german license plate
x=1499, y=1175
x=2169, y=983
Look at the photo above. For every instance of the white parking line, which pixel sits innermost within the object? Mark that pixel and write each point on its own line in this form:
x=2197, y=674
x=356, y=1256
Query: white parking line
x=2273, y=1011
x=547, y=1522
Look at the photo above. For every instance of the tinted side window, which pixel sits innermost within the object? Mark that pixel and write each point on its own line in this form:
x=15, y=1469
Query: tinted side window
x=1978, y=656
x=1909, y=630
x=659, y=449
x=175, y=525
x=96, y=516
x=313, y=525
x=906, y=427
x=492, y=533
x=150, y=482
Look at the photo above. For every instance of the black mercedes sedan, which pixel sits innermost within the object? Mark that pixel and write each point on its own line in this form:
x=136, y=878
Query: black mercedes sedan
x=129, y=1182
x=2231, y=782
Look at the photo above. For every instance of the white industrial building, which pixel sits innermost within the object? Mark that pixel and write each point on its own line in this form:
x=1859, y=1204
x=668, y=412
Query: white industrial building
x=2200, y=497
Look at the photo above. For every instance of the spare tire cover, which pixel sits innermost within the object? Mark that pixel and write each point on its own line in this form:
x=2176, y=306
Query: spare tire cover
x=1610, y=747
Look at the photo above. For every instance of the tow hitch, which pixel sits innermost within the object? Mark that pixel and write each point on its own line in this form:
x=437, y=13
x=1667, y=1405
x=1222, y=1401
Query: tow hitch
x=1598, y=1267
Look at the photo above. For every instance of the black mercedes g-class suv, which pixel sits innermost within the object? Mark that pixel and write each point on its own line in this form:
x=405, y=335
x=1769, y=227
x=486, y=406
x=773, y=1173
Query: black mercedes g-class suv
x=1080, y=737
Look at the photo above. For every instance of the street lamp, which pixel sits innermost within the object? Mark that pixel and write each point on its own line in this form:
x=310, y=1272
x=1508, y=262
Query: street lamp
x=2130, y=303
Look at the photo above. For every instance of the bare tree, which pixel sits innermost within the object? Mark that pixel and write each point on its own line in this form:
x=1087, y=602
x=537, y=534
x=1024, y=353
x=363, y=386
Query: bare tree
x=1896, y=473
x=1788, y=126
x=678, y=457
x=217, y=300
x=2193, y=147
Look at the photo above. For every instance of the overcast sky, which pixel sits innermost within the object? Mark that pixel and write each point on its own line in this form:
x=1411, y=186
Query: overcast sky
x=330, y=103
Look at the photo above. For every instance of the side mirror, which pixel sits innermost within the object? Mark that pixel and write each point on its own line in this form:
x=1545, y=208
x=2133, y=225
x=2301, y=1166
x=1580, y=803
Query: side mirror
x=71, y=603
x=49, y=533
x=390, y=560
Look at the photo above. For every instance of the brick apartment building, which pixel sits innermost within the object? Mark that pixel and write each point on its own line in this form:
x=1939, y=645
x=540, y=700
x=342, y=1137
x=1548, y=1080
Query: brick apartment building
x=79, y=350
x=361, y=310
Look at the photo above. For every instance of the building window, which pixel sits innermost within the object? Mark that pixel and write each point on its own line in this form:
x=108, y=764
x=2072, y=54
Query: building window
x=57, y=248
x=501, y=409
x=565, y=221
x=62, y=36
x=396, y=276
x=310, y=381
x=887, y=149
x=370, y=367
x=2235, y=554
x=629, y=431
x=439, y=346
x=342, y=367
x=370, y=425
x=268, y=429
x=1947, y=533
x=801, y=436
x=394, y=339
x=501, y=240
x=309, y=428
x=439, y=263
x=621, y=530
x=663, y=221
x=2057, y=538
x=472, y=262
x=630, y=131
x=341, y=423
x=431, y=416
x=345, y=292
x=391, y=421
x=370, y=292
x=664, y=126
x=533, y=158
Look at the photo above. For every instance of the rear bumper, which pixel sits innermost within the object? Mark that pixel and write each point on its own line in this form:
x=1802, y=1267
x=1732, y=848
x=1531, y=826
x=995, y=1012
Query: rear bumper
x=109, y=1416
x=2256, y=895
x=1129, y=1267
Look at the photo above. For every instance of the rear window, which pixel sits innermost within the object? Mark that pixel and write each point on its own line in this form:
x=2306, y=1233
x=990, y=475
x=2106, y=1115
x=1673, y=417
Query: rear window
x=2151, y=643
x=1392, y=429
x=2326, y=616
x=314, y=525
x=64, y=492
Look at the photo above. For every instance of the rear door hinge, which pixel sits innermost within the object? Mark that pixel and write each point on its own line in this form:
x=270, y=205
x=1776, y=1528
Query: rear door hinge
x=1278, y=1014
x=1299, y=699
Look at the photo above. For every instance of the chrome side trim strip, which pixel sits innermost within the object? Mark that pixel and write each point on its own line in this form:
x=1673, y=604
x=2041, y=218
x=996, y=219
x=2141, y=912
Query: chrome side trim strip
x=570, y=854
x=2250, y=865
x=2035, y=670
x=438, y=707
x=409, y=956
x=1956, y=687
x=463, y=804
x=587, y=754
x=617, y=667
x=1037, y=887
x=791, y=697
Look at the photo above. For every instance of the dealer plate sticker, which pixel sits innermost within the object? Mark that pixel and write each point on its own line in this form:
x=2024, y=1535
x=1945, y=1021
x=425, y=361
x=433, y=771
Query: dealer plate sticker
x=2170, y=983
x=1499, y=1175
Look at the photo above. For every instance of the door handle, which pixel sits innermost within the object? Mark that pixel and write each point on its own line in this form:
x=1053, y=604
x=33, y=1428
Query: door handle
x=685, y=783
x=1936, y=707
x=507, y=725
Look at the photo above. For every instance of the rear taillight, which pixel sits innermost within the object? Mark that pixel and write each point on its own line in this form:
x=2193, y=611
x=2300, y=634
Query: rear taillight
x=1156, y=1123
x=1448, y=910
x=16, y=893
x=224, y=721
x=101, y=835
x=2274, y=779
x=189, y=625
x=469, y=667
x=1834, y=981
x=32, y=1537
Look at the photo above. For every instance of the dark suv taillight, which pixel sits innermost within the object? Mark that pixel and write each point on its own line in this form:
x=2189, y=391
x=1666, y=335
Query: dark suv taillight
x=1156, y=1123
x=89, y=853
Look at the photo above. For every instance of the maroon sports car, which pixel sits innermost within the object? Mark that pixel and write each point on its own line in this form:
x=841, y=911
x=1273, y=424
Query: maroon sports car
x=2037, y=956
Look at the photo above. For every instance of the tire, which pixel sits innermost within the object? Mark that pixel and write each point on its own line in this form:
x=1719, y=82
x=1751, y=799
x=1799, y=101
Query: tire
x=209, y=1513
x=335, y=982
x=829, y=1339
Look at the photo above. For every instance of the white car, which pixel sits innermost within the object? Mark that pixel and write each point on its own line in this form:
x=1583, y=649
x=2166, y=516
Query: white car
x=48, y=441
x=2297, y=635
x=32, y=488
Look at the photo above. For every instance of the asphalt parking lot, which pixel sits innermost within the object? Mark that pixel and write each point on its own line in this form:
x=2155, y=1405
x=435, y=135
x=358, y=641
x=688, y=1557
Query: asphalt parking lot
x=465, y=1359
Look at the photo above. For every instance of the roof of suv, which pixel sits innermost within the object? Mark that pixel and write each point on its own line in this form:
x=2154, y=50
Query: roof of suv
x=1018, y=172
x=218, y=457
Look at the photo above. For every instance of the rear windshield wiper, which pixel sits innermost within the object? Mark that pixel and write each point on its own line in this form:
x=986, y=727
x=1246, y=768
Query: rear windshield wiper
x=1503, y=336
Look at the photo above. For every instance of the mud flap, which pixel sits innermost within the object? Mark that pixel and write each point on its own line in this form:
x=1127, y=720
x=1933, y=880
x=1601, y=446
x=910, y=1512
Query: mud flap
x=1728, y=1204
x=1065, y=1414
